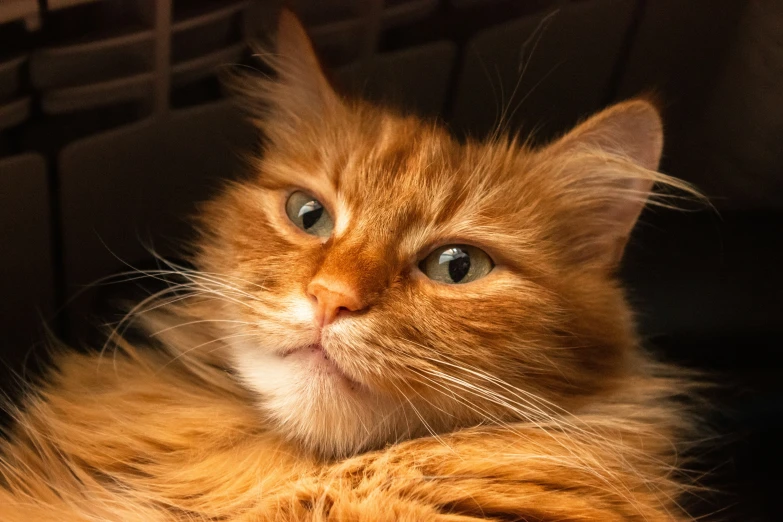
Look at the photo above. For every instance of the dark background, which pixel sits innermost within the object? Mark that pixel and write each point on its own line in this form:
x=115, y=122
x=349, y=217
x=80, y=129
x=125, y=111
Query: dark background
x=112, y=124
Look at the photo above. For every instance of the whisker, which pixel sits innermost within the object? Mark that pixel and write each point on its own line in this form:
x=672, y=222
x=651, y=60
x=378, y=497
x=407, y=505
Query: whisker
x=207, y=343
x=556, y=423
x=422, y=419
x=200, y=321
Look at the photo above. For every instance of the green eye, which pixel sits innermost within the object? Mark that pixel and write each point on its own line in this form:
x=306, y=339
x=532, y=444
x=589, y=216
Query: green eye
x=309, y=214
x=455, y=264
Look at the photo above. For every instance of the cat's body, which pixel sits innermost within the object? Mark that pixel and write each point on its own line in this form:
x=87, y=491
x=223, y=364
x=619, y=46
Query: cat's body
x=327, y=365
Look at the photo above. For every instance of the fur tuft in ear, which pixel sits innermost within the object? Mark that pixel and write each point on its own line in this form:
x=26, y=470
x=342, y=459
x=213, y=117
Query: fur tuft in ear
x=297, y=65
x=298, y=93
x=608, y=166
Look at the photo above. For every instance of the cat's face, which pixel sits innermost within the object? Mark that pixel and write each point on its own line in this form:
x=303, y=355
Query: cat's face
x=390, y=281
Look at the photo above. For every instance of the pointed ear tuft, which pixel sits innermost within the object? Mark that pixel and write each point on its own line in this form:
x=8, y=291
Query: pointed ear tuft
x=297, y=93
x=297, y=65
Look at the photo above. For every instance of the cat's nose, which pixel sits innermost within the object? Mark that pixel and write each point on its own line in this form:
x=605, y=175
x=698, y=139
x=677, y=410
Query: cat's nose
x=331, y=299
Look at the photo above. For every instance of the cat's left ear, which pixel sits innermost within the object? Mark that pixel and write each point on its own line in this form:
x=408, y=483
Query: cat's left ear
x=609, y=168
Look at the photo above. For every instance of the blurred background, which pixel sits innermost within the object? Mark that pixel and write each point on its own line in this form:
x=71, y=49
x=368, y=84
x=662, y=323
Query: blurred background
x=113, y=125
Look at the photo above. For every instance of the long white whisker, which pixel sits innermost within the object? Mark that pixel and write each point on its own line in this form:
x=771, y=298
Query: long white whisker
x=200, y=321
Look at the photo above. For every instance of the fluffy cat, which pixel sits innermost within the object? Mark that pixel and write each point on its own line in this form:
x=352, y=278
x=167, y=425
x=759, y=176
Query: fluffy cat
x=384, y=324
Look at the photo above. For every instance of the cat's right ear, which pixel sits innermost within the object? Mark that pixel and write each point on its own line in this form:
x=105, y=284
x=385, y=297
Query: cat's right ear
x=299, y=91
x=298, y=68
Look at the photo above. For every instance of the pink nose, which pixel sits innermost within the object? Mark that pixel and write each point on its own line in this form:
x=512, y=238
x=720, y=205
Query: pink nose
x=332, y=298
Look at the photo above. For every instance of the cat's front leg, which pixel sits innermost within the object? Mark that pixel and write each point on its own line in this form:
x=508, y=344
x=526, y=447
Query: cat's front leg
x=357, y=491
x=482, y=474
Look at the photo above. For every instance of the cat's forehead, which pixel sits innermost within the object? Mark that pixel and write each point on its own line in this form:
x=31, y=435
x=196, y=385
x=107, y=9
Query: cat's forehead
x=412, y=168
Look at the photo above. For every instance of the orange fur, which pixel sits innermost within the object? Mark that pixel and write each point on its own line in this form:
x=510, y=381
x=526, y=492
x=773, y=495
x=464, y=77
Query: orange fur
x=520, y=396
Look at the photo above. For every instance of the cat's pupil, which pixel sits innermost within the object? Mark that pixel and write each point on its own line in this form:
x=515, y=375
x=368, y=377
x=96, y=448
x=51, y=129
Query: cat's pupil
x=310, y=213
x=459, y=263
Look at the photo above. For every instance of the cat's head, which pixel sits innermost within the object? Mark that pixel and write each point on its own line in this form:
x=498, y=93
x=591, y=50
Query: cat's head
x=384, y=279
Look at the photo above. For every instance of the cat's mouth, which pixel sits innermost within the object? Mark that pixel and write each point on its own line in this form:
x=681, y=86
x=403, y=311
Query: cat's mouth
x=317, y=360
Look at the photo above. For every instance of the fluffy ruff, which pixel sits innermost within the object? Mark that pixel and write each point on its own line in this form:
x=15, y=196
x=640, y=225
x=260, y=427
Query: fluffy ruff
x=142, y=437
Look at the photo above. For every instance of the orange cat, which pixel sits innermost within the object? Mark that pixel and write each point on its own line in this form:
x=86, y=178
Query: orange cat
x=385, y=324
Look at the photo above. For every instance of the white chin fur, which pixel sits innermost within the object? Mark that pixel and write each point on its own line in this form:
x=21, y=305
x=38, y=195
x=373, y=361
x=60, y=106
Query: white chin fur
x=319, y=410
